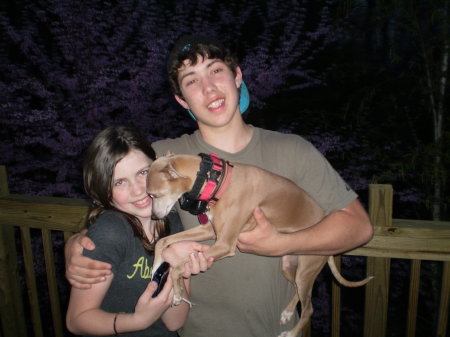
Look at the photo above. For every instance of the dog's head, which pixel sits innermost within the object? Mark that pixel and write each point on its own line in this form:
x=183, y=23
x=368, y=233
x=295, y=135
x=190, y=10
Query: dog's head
x=168, y=178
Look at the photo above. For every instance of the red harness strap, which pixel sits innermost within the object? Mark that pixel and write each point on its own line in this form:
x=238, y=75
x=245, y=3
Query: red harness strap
x=219, y=178
x=212, y=182
x=223, y=183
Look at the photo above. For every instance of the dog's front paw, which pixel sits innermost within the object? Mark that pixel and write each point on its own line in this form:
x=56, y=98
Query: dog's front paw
x=289, y=334
x=286, y=316
x=177, y=300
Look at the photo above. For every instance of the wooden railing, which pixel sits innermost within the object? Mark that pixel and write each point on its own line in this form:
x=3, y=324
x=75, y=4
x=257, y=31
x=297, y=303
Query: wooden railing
x=414, y=240
x=21, y=216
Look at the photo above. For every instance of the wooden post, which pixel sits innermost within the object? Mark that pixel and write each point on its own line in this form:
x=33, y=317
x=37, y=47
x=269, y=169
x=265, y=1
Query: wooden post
x=414, y=283
x=377, y=290
x=336, y=303
x=12, y=319
x=444, y=304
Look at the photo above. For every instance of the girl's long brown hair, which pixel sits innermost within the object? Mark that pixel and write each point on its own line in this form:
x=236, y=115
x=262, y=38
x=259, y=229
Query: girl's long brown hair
x=106, y=150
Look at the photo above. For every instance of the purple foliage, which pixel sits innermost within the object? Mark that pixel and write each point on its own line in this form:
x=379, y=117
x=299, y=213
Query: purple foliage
x=70, y=68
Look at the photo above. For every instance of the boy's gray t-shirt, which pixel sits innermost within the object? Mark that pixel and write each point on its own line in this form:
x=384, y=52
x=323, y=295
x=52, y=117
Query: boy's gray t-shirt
x=244, y=295
x=116, y=244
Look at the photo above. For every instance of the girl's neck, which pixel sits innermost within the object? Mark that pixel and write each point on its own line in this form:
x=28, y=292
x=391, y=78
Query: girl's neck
x=149, y=228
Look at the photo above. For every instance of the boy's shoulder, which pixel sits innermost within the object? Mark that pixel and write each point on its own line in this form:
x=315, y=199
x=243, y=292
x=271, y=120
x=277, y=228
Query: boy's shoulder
x=276, y=139
x=172, y=144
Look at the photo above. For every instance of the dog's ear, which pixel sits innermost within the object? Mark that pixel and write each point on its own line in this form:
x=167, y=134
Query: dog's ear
x=169, y=154
x=172, y=172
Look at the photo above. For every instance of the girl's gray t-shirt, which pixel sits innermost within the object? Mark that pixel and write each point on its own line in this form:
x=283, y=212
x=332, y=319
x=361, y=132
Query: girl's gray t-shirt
x=116, y=244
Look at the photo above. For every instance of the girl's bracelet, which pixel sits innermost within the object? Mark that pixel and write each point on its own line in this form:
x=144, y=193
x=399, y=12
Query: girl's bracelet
x=114, y=323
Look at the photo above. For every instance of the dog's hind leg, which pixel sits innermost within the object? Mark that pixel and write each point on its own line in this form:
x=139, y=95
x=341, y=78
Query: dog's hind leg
x=289, y=264
x=309, y=266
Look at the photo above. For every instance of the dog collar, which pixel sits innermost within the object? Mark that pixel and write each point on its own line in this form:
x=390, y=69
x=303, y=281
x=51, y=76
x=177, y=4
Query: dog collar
x=212, y=180
x=217, y=174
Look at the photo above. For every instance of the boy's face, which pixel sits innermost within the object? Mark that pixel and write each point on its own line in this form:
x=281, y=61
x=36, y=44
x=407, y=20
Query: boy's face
x=210, y=91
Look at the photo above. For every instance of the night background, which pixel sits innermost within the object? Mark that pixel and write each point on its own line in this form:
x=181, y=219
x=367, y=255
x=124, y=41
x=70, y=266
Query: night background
x=365, y=81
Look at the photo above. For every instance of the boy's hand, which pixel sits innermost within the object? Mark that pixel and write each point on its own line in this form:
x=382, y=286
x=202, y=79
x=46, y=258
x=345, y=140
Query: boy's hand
x=82, y=271
x=262, y=239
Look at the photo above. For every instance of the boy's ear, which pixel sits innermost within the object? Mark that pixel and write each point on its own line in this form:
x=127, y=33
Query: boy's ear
x=182, y=102
x=238, y=77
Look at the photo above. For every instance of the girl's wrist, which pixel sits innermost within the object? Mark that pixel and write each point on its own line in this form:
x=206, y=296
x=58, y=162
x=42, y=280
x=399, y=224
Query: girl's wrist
x=126, y=322
x=141, y=320
x=115, y=323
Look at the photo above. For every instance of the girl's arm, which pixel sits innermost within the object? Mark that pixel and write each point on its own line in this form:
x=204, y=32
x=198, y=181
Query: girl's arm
x=84, y=315
x=175, y=317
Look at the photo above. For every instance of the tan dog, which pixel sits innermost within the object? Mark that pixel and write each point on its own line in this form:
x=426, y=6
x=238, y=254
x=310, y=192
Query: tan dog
x=285, y=205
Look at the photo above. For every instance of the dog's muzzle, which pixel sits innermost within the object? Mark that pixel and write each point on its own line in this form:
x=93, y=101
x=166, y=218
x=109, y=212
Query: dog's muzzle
x=192, y=204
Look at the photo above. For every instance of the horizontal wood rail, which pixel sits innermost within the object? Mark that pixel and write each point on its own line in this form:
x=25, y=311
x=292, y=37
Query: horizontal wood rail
x=409, y=239
x=20, y=215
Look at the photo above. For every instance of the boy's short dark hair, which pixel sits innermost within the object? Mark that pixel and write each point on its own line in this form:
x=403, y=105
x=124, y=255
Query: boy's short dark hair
x=188, y=47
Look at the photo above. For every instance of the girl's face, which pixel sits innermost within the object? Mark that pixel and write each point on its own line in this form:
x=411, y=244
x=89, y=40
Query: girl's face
x=129, y=186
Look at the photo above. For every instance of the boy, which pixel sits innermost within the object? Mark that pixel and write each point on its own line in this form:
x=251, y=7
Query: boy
x=245, y=295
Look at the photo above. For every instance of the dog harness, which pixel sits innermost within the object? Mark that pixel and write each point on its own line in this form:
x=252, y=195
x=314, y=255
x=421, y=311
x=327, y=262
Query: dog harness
x=212, y=180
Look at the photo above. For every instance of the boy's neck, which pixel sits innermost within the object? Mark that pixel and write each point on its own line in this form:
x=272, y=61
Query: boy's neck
x=231, y=138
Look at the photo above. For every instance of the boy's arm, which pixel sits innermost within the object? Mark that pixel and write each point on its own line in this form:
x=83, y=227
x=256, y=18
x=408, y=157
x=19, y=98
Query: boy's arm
x=339, y=231
x=81, y=271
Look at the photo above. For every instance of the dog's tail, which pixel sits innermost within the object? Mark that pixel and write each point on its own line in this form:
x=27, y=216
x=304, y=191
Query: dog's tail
x=341, y=279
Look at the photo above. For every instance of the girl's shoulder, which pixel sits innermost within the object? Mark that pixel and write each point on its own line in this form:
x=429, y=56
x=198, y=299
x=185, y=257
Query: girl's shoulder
x=112, y=236
x=111, y=224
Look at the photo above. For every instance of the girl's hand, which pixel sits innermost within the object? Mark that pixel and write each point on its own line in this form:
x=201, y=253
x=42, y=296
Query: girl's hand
x=149, y=309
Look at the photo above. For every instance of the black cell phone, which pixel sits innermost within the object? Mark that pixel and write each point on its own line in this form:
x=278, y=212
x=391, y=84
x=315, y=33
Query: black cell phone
x=160, y=277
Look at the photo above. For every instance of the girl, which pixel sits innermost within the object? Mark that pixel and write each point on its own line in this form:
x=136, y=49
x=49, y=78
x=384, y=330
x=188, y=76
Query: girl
x=124, y=234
